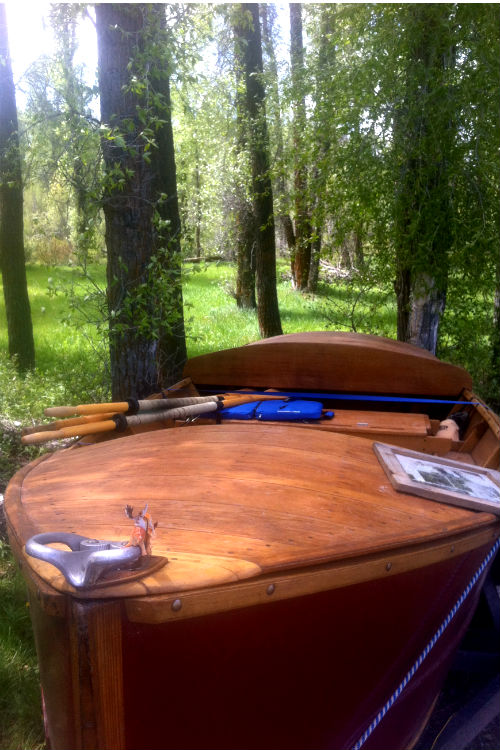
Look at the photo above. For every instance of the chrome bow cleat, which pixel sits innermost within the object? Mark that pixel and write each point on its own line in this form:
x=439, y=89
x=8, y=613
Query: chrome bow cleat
x=87, y=560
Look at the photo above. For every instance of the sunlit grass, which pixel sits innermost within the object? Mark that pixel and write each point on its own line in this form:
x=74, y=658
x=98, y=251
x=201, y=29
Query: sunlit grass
x=213, y=321
x=21, y=725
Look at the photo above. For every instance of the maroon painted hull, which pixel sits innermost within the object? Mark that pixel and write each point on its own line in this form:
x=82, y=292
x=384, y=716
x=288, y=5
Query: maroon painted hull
x=307, y=672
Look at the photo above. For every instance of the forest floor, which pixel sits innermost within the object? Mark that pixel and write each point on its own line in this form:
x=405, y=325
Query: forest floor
x=457, y=690
x=467, y=713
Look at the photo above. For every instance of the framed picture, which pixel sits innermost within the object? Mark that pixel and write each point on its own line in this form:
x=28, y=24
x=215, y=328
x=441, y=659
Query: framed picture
x=441, y=479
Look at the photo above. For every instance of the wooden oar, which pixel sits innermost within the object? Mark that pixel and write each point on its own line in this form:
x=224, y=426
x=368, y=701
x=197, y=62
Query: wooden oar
x=120, y=422
x=60, y=423
x=132, y=406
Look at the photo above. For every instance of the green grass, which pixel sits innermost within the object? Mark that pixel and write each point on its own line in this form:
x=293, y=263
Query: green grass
x=214, y=322
x=21, y=725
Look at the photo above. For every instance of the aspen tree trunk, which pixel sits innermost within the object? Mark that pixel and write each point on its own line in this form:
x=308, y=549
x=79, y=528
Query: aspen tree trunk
x=280, y=191
x=267, y=296
x=301, y=258
x=324, y=111
x=424, y=133
x=12, y=259
x=246, y=239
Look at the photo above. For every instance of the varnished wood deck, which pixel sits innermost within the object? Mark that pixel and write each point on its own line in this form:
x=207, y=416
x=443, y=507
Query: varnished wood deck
x=232, y=501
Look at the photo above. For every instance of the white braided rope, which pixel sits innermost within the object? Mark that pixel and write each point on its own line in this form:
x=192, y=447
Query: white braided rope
x=437, y=635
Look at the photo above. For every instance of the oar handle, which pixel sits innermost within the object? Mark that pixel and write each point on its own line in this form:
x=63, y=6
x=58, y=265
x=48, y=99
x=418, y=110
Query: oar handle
x=69, y=411
x=60, y=423
x=66, y=432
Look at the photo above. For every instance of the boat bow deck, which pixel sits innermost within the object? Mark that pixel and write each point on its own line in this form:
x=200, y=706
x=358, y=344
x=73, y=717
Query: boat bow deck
x=233, y=502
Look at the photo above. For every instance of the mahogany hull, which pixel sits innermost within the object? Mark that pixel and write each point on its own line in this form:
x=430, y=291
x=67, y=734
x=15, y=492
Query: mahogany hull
x=306, y=672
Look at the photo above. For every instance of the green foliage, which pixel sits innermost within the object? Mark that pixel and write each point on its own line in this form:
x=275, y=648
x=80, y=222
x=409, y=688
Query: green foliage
x=60, y=141
x=71, y=360
x=21, y=726
x=205, y=135
x=149, y=309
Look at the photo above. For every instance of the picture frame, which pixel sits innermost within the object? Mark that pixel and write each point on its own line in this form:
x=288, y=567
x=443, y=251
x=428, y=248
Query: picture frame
x=442, y=479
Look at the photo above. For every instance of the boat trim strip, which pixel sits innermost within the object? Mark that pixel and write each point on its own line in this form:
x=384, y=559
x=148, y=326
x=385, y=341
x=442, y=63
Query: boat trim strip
x=159, y=608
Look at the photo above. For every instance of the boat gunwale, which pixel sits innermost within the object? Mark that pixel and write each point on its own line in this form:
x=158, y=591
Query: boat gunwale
x=287, y=584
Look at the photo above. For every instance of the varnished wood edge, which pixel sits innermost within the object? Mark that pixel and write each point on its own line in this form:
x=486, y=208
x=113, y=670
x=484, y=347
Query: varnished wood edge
x=276, y=587
x=489, y=416
x=12, y=503
x=97, y=666
x=51, y=601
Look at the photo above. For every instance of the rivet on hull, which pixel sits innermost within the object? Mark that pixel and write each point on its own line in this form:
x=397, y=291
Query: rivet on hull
x=176, y=605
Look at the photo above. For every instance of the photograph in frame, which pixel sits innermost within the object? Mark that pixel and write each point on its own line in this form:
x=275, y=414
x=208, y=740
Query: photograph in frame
x=441, y=479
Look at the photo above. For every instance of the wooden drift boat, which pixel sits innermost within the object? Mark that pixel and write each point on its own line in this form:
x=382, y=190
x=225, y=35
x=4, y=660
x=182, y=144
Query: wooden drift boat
x=311, y=598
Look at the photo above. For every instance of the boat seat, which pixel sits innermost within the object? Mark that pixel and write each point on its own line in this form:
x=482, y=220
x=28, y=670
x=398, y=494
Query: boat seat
x=357, y=422
x=365, y=423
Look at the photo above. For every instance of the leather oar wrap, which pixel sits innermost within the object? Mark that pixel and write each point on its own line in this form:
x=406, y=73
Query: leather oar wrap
x=159, y=404
x=122, y=422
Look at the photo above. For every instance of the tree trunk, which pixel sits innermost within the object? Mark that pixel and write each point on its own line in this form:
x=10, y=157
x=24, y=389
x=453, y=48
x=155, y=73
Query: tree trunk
x=323, y=113
x=246, y=245
x=424, y=135
x=12, y=258
x=279, y=189
x=495, y=341
x=359, y=256
x=313, y=276
x=262, y=198
x=301, y=257
x=147, y=341
x=198, y=210
x=428, y=303
x=345, y=254
x=245, y=231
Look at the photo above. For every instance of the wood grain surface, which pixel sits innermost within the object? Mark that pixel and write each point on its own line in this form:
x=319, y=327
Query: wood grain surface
x=332, y=361
x=232, y=502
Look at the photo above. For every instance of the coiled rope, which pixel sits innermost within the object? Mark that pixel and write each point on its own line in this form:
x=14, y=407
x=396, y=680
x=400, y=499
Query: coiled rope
x=437, y=635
